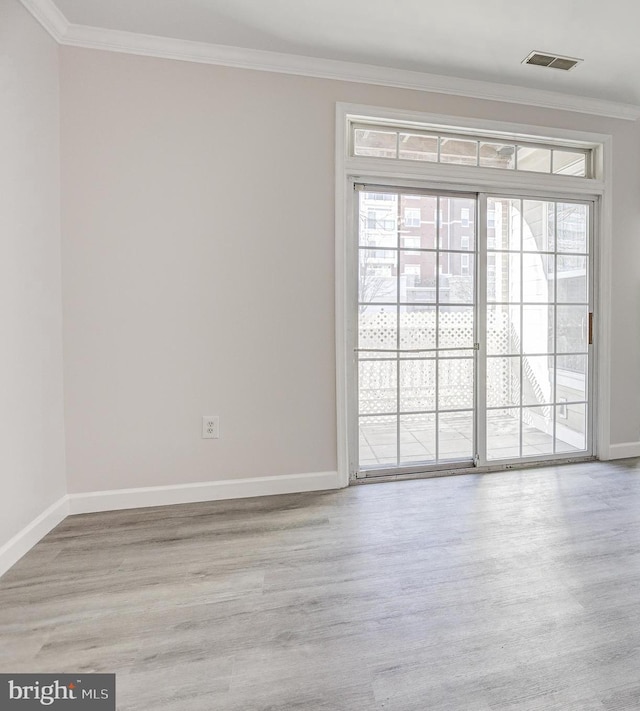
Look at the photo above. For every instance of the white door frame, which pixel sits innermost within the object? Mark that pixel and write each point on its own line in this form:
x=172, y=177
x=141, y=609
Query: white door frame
x=350, y=170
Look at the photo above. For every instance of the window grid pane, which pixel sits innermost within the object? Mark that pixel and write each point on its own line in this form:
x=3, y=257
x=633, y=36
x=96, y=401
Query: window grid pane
x=378, y=141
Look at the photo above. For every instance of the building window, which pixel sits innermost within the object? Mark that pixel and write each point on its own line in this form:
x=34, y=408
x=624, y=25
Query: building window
x=464, y=264
x=412, y=269
x=464, y=242
x=412, y=217
x=464, y=216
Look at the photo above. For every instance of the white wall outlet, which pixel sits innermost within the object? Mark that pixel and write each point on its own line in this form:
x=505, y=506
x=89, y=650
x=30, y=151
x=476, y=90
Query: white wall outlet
x=210, y=427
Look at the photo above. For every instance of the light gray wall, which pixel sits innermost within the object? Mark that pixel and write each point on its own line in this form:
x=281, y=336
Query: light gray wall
x=198, y=252
x=32, y=464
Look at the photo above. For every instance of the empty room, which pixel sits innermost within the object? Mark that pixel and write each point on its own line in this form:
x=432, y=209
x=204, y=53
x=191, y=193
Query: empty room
x=320, y=355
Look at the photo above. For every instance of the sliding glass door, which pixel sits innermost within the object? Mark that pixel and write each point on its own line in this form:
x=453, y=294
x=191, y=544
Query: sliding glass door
x=416, y=329
x=538, y=319
x=473, y=330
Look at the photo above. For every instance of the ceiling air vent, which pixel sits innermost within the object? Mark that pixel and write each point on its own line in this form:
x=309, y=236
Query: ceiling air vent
x=551, y=60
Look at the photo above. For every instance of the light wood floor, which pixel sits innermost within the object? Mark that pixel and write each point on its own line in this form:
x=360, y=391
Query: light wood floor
x=517, y=590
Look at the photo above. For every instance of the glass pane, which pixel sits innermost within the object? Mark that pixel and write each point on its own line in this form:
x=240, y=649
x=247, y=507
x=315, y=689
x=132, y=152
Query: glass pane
x=456, y=150
x=379, y=144
x=497, y=155
x=537, y=277
x=378, y=441
x=418, y=227
x=455, y=384
x=418, y=277
x=457, y=223
x=455, y=327
x=503, y=224
x=417, y=327
x=572, y=279
x=377, y=386
x=418, y=147
x=537, y=329
x=503, y=433
x=572, y=329
x=503, y=382
x=571, y=428
x=377, y=276
x=503, y=277
x=457, y=278
x=573, y=228
x=417, y=385
x=537, y=380
x=378, y=220
x=417, y=438
x=503, y=330
x=538, y=223
x=455, y=435
x=571, y=378
x=377, y=328
x=534, y=159
x=569, y=163
x=537, y=431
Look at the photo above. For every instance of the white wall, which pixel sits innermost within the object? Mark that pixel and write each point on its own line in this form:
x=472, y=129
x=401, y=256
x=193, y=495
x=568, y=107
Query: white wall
x=198, y=252
x=32, y=464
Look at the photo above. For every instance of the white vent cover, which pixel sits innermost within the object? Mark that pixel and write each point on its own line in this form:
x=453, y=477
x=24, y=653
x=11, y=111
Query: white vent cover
x=543, y=59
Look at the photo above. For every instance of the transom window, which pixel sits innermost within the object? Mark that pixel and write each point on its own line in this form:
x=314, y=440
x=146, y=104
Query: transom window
x=433, y=146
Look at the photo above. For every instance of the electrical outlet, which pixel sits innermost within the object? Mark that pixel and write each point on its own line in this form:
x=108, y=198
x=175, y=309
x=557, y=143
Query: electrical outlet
x=210, y=427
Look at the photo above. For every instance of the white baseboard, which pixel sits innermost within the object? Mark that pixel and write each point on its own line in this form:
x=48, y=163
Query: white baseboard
x=24, y=540
x=115, y=499
x=624, y=450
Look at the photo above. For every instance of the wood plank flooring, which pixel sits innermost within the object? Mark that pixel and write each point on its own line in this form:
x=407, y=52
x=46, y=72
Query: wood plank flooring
x=505, y=591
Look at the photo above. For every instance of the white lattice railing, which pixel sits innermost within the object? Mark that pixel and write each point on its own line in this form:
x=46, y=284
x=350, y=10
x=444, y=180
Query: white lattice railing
x=378, y=378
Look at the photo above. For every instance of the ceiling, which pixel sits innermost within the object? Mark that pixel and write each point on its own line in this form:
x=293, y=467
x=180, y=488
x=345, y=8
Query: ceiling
x=462, y=38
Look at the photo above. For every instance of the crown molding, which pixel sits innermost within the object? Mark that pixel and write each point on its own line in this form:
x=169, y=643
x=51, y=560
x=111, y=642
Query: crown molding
x=203, y=53
x=49, y=16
